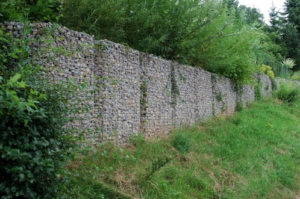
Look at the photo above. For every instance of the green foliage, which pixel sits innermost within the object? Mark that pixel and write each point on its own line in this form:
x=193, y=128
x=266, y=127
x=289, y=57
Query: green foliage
x=239, y=97
x=9, y=10
x=274, y=84
x=33, y=145
x=252, y=16
x=253, y=154
x=220, y=37
x=157, y=165
x=296, y=76
x=284, y=70
x=267, y=70
x=231, y=3
x=292, y=8
x=200, y=33
x=292, y=41
x=277, y=48
x=289, y=63
x=288, y=93
x=285, y=32
x=85, y=188
x=239, y=106
x=34, y=141
x=175, y=92
x=35, y=10
x=219, y=97
x=182, y=143
x=257, y=91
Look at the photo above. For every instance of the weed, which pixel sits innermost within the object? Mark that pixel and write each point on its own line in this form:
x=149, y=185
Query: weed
x=257, y=90
x=239, y=106
x=288, y=93
x=156, y=165
x=219, y=97
x=274, y=85
x=182, y=143
x=252, y=154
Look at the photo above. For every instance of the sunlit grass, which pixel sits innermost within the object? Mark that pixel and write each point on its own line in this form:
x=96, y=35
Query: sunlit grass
x=253, y=154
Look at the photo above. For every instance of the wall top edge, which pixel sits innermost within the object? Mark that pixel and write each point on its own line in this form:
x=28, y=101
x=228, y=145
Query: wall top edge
x=11, y=25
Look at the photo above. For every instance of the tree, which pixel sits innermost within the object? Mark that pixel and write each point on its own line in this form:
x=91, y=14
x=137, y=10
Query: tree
x=252, y=15
x=292, y=41
x=291, y=34
x=292, y=9
x=231, y=3
x=275, y=33
x=35, y=10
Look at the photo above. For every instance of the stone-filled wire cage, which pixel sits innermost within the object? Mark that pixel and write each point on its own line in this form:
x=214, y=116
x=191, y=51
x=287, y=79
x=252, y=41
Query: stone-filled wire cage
x=129, y=92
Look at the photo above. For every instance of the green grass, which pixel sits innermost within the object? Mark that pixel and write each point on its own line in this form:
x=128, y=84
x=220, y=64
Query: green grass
x=253, y=154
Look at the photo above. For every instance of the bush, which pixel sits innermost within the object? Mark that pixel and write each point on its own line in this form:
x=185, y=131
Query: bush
x=267, y=70
x=182, y=143
x=203, y=34
x=35, y=10
x=32, y=143
x=34, y=139
x=199, y=33
x=288, y=93
x=296, y=76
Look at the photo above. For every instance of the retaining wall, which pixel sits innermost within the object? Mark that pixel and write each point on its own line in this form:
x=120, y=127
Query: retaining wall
x=265, y=84
x=134, y=92
x=156, y=92
x=224, y=95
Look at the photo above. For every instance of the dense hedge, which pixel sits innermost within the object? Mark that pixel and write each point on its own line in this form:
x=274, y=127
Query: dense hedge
x=219, y=36
x=32, y=143
x=34, y=138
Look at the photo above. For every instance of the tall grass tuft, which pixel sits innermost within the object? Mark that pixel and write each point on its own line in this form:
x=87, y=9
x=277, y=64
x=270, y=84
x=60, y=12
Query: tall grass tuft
x=288, y=93
x=182, y=143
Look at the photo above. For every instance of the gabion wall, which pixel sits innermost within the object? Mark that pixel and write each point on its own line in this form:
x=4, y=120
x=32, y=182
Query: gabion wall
x=279, y=81
x=67, y=54
x=248, y=95
x=184, y=98
x=118, y=73
x=265, y=83
x=204, y=95
x=224, y=95
x=133, y=92
x=156, y=114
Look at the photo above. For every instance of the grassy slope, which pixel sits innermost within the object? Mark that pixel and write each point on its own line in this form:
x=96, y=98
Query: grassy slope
x=254, y=154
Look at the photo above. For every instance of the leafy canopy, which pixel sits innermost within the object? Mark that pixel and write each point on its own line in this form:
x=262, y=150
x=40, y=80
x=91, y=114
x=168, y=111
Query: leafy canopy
x=208, y=34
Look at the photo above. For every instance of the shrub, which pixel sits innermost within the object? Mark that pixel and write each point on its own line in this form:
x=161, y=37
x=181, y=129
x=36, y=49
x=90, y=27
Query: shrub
x=32, y=144
x=239, y=106
x=182, y=143
x=288, y=93
x=288, y=63
x=199, y=33
x=35, y=10
x=296, y=76
x=34, y=139
x=267, y=70
x=284, y=69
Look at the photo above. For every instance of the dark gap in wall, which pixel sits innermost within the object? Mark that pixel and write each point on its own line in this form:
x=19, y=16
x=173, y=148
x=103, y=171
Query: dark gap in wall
x=174, y=87
x=174, y=91
x=143, y=95
x=238, y=87
x=213, y=85
x=99, y=62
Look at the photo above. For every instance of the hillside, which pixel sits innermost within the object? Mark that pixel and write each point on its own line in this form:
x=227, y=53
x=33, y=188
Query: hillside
x=253, y=154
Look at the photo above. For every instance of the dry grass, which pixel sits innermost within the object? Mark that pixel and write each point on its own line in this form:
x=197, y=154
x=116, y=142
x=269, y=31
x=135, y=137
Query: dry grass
x=250, y=155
